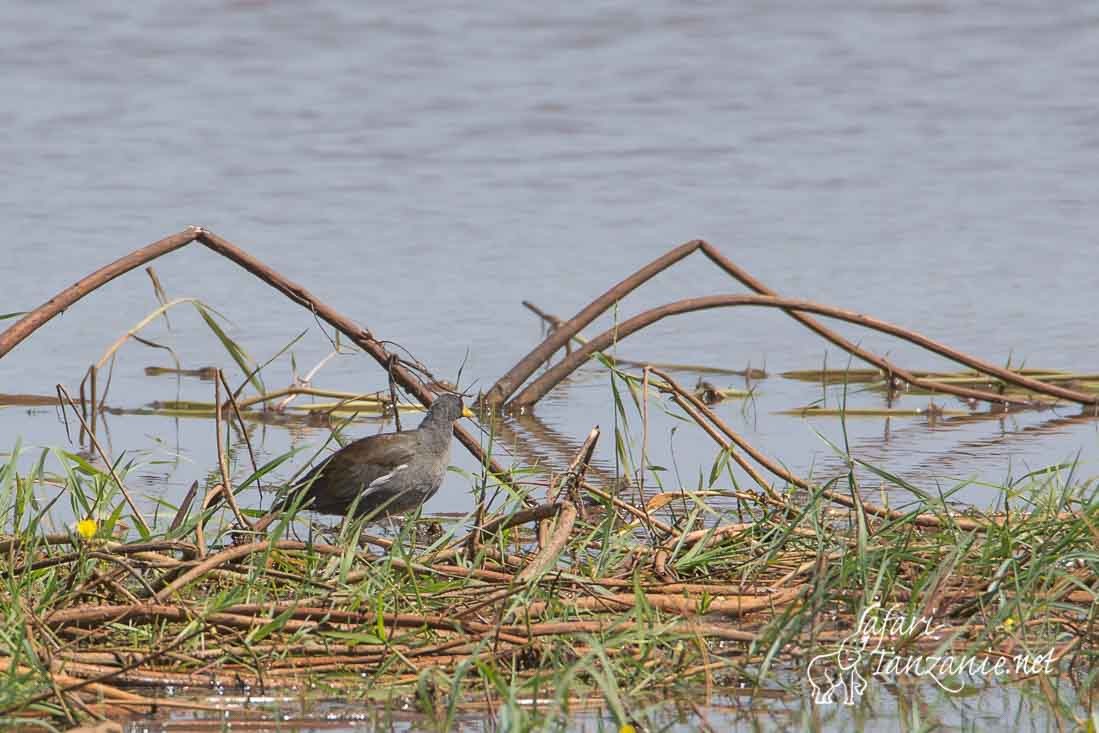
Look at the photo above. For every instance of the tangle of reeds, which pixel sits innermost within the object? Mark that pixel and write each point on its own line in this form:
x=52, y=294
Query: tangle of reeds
x=562, y=592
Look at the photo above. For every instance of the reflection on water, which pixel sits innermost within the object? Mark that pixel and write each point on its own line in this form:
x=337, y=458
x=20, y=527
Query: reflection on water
x=886, y=708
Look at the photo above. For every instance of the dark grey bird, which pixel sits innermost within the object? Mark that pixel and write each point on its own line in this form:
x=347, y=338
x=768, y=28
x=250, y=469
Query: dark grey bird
x=389, y=473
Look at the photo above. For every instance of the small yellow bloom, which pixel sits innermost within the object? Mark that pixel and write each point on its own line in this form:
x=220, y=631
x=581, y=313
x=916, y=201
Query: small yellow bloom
x=627, y=728
x=1008, y=624
x=87, y=528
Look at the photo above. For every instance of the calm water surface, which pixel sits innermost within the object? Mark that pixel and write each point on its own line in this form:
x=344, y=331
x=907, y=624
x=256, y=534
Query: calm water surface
x=424, y=169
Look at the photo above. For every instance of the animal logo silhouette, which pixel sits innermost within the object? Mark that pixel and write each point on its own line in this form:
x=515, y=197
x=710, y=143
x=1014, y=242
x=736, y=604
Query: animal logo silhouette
x=837, y=675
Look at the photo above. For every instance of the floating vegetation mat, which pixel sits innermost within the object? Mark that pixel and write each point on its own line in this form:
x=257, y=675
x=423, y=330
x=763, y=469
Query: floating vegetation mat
x=569, y=604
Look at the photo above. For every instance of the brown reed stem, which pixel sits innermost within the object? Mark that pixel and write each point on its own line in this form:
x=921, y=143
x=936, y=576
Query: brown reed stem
x=568, y=483
x=732, y=605
x=926, y=520
x=31, y=322
x=510, y=382
x=362, y=337
x=506, y=385
x=641, y=514
x=546, y=381
x=555, y=544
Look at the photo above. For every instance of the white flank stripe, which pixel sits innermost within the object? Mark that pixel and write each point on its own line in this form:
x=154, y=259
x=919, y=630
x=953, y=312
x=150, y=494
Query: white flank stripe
x=382, y=479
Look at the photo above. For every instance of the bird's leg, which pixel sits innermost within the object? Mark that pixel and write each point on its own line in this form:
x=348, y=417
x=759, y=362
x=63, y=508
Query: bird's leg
x=430, y=532
x=322, y=530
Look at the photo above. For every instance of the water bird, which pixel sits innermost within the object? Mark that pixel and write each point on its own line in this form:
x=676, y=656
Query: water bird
x=381, y=475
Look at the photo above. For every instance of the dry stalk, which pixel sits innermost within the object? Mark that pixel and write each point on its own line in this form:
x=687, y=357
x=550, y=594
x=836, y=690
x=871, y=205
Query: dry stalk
x=506, y=385
x=549, y=379
x=362, y=337
x=924, y=520
x=568, y=483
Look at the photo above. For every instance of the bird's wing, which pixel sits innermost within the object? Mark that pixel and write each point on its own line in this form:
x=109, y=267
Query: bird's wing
x=359, y=467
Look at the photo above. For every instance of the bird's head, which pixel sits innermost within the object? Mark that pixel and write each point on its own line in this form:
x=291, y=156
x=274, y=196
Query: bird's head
x=447, y=407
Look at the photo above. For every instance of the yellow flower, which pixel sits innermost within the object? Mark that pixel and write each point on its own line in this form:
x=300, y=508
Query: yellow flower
x=1008, y=624
x=87, y=528
x=627, y=728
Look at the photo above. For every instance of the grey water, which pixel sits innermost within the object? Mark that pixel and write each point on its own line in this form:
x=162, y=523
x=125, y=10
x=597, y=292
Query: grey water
x=424, y=168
